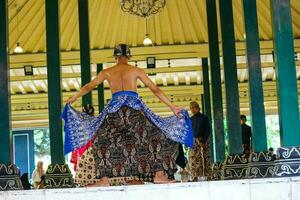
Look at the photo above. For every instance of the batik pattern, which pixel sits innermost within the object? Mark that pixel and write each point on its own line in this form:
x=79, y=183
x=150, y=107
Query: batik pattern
x=199, y=161
x=127, y=145
x=80, y=128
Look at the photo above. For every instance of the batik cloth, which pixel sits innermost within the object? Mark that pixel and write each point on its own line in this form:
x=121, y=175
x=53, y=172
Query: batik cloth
x=129, y=140
x=127, y=145
x=199, y=161
x=80, y=127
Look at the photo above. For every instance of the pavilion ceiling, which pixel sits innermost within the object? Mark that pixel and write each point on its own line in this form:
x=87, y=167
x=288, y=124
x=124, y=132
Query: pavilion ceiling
x=179, y=32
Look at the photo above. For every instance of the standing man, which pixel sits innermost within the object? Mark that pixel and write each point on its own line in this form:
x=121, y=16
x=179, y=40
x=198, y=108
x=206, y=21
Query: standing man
x=246, y=136
x=199, y=158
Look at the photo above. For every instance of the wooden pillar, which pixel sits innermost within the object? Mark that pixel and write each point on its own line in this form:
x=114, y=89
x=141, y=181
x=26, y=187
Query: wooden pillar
x=288, y=156
x=54, y=81
x=216, y=84
x=283, y=41
x=58, y=174
x=84, y=40
x=231, y=81
x=207, y=104
x=205, y=73
x=5, y=124
x=257, y=108
x=100, y=90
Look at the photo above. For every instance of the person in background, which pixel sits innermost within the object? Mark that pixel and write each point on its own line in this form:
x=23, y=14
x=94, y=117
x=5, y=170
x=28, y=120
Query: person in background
x=25, y=182
x=271, y=152
x=88, y=109
x=199, y=157
x=37, y=174
x=246, y=136
x=182, y=161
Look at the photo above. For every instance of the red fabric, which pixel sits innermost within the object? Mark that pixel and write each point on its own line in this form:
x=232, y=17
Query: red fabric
x=76, y=154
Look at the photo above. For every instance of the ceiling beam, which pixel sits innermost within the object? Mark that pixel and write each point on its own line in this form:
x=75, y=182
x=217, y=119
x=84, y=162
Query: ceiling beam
x=93, y=14
x=14, y=78
x=99, y=30
x=35, y=30
x=158, y=32
x=23, y=18
x=265, y=17
x=167, y=25
x=177, y=22
x=188, y=20
x=115, y=22
x=238, y=20
x=70, y=42
x=138, y=53
x=66, y=35
x=269, y=90
x=135, y=32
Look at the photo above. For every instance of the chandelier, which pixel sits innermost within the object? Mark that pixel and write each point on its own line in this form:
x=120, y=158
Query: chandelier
x=142, y=8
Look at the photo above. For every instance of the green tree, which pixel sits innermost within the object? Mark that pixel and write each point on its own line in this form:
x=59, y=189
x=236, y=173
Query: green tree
x=273, y=138
x=42, y=142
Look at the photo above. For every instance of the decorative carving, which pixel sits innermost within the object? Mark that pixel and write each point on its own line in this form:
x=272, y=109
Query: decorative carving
x=261, y=165
x=58, y=169
x=288, y=163
x=217, y=171
x=288, y=152
x=10, y=177
x=235, y=167
x=58, y=176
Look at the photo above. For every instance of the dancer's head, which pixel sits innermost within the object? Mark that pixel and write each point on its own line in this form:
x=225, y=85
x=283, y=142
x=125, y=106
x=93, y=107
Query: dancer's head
x=122, y=52
x=194, y=107
x=88, y=109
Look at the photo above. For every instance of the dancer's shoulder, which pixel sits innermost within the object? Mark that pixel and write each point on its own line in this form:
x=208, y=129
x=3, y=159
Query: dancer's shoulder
x=140, y=70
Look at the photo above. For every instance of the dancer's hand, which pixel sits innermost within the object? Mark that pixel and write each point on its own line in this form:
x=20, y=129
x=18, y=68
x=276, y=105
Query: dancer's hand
x=176, y=110
x=71, y=99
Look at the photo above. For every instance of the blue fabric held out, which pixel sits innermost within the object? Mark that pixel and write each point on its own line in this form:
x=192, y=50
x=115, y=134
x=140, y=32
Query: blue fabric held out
x=81, y=128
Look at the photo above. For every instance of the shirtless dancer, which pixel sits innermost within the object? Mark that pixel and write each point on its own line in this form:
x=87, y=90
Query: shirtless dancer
x=123, y=77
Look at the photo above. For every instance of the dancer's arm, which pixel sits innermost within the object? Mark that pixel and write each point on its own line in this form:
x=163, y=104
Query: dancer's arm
x=89, y=86
x=148, y=82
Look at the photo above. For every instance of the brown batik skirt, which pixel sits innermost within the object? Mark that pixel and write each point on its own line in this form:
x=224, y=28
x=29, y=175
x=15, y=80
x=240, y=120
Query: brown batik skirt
x=127, y=146
x=199, y=161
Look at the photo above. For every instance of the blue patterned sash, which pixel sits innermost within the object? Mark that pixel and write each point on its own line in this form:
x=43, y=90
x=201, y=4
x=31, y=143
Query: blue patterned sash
x=81, y=128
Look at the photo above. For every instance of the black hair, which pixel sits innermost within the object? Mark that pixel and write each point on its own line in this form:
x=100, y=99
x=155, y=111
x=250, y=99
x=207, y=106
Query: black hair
x=122, y=50
x=243, y=117
x=271, y=149
x=88, y=109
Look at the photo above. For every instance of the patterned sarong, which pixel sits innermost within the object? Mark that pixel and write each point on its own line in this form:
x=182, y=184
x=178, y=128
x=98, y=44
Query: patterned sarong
x=127, y=145
x=199, y=161
x=128, y=140
x=80, y=128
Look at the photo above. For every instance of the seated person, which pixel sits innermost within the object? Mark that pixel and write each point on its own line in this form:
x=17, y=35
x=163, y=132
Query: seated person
x=37, y=174
x=25, y=182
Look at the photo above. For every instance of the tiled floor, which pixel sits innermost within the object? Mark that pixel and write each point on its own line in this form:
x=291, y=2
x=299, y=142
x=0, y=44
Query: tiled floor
x=254, y=189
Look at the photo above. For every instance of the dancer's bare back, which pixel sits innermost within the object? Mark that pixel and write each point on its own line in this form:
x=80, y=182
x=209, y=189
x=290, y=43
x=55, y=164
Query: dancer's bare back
x=123, y=77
